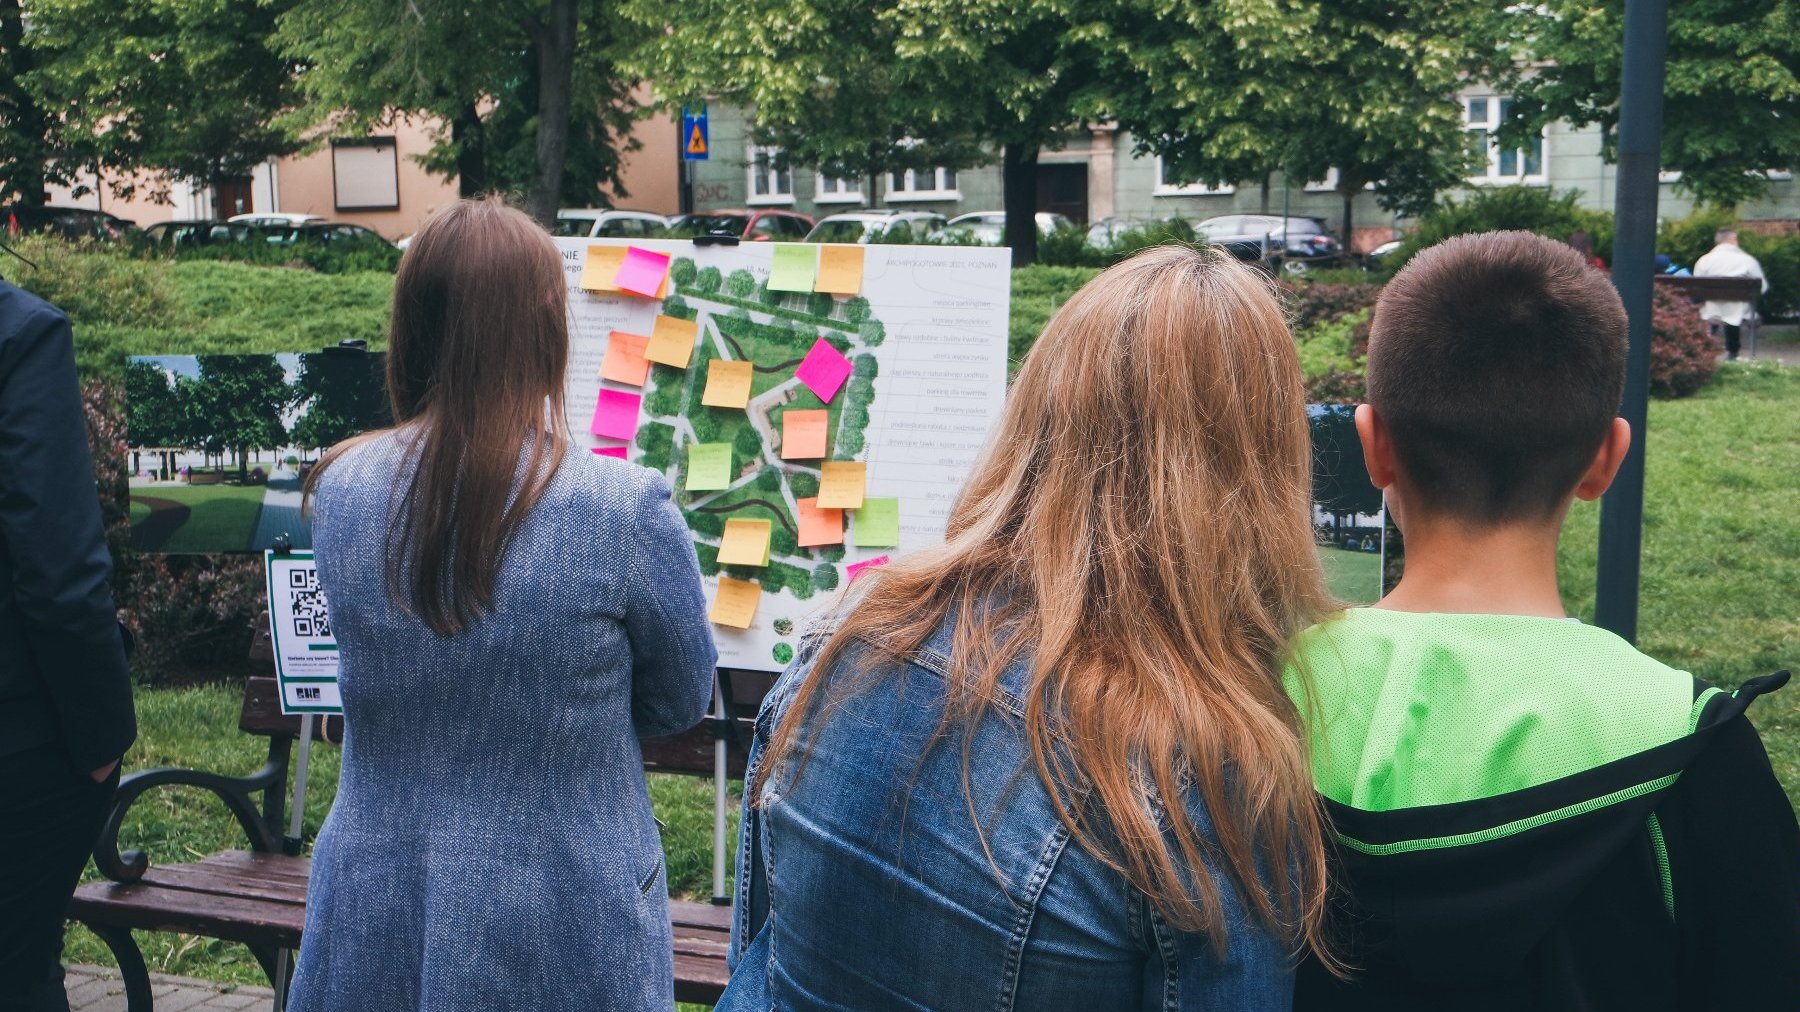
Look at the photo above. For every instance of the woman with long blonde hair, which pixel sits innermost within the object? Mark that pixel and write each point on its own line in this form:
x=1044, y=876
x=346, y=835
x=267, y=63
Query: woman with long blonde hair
x=1050, y=764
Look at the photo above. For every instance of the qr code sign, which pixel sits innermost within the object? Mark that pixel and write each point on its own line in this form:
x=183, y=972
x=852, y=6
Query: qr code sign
x=310, y=619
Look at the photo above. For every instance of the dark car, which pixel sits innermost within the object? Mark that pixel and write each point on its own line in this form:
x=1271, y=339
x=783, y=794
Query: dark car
x=191, y=232
x=68, y=222
x=331, y=233
x=1292, y=245
x=750, y=225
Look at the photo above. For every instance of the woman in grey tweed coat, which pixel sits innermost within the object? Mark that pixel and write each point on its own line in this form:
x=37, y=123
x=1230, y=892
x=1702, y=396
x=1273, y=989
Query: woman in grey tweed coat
x=512, y=614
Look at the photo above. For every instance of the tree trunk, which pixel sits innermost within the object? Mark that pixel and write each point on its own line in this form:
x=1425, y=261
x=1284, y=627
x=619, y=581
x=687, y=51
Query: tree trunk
x=1349, y=195
x=467, y=133
x=30, y=126
x=555, y=45
x=1265, y=193
x=1018, y=183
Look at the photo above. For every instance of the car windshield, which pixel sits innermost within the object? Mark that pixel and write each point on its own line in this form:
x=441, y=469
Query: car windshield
x=573, y=227
x=702, y=224
x=845, y=230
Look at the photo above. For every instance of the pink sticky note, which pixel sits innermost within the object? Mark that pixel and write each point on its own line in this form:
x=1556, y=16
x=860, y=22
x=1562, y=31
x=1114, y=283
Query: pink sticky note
x=855, y=568
x=610, y=451
x=643, y=272
x=823, y=370
x=616, y=415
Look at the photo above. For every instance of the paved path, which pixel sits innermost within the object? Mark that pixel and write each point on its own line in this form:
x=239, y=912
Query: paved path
x=281, y=512
x=98, y=989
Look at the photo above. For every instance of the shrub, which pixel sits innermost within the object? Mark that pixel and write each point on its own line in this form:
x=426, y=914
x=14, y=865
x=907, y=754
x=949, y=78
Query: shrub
x=1067, y=246
x=1684, y=354
x=1527, y=208
x=93, y=283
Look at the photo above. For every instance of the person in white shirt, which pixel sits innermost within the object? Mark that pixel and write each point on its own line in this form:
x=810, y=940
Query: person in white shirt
x=1728, y=260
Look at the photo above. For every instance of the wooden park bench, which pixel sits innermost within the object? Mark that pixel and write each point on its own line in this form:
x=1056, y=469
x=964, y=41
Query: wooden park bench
x=1720, y=290
x=258, y=896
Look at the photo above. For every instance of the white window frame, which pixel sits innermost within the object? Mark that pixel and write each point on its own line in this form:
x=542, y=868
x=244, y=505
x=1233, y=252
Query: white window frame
x=839, y=196
x=771, y=178
x=1490, y=124
x=1167, y=189
x=940, y=188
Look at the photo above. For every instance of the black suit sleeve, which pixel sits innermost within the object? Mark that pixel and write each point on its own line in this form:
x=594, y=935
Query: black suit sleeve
x=51, y=531
x=1734, y=857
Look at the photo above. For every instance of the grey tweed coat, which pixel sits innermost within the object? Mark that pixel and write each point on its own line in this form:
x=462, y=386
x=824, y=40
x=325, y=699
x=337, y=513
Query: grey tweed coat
x=491, y=846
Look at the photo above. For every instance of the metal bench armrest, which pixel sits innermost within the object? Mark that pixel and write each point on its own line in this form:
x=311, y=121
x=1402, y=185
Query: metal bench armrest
x=235, y=792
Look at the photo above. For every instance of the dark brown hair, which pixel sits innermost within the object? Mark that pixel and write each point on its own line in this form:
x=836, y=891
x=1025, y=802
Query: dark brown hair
x=1497, y=362
x=477, y=349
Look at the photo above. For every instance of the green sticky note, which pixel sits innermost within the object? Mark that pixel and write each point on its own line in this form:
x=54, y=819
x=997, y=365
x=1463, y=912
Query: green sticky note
x=877, y=524
x=796, y=265
x=709, y=466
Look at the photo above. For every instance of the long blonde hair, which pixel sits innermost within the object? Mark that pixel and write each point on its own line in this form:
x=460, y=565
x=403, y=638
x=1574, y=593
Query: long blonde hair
x=1139, y=530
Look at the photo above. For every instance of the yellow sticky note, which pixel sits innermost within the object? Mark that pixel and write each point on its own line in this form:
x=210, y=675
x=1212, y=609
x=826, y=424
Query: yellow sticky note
x=735, y=603
x=625, y=362
x=746, y=543
x=727, y=383
x=672, y=341
x=601, y=266
x=841, y=484
x=803, y=434
x=840, y=270
x=818, y=526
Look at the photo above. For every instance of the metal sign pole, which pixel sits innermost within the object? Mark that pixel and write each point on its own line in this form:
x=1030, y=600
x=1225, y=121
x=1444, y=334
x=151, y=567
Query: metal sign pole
x=719, y=798
x=291, y=845
x=1634, y=255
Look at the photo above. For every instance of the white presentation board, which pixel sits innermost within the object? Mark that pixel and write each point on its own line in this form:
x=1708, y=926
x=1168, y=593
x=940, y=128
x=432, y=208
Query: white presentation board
x=924, y=341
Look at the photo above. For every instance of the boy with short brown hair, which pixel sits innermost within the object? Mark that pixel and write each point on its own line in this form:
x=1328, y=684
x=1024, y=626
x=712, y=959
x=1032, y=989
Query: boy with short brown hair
x=1530, y=813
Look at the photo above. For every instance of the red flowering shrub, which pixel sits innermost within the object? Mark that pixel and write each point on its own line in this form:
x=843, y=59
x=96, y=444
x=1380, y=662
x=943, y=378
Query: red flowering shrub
x=1684, y=354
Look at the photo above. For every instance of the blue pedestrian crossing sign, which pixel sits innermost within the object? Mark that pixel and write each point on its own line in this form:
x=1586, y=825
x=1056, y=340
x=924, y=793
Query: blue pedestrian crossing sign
x=693, y=134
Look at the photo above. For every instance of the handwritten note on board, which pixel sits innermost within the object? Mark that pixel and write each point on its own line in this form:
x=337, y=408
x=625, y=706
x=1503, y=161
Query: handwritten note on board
x=672, y=341
x=709, y=466
x=840, y=270
x=727, y=383
x=803, y=434
x=616, y=452
x=818, y=526
x=877, y=524
x=794, y=266
x=600, y=267
x=625, y=361
x=823, y=370
x=616, y=415
x=734, y=604
x=745, y=543
x=642, y=272
x=841, y=484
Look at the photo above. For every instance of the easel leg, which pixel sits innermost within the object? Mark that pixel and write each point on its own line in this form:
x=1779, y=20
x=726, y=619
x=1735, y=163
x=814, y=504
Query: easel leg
x=720, y=795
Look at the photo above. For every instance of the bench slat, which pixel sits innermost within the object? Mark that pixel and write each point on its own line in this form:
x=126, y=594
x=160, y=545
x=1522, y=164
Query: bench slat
x=148, y=908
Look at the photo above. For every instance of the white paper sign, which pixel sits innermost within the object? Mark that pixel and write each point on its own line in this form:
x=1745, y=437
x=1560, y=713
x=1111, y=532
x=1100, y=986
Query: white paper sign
x=306, y=657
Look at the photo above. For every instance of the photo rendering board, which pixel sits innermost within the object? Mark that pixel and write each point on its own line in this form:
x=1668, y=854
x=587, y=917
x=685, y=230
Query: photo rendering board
x=909, y=369
x=1349, y=514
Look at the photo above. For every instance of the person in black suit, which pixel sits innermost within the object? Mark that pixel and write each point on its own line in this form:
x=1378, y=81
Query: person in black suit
x=66, y=714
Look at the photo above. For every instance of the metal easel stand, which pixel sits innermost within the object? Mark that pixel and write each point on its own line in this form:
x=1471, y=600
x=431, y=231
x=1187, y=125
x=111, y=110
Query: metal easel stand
x=292, y=842
x=722, y=730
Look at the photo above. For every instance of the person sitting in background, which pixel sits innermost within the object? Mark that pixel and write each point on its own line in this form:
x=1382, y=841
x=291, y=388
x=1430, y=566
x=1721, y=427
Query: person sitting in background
x=1666, y=265
x=1728, y=260
x=1531, y=813
x=1049, y=765
x=512, y=614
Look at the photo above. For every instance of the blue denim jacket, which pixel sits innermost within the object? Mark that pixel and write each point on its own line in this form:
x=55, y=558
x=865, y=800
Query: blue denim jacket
x=865, y=885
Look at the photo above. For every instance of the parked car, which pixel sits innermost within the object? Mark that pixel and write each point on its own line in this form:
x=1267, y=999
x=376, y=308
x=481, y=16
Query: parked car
x=868, y=226
x=1380, y=253
x=1293, y=245
x=989, y=227
x=331, y=232
x=750, y=225
x=68, y=222
x=273, y=219
x=197, y=232
x=1106, y=231
x=590, y=221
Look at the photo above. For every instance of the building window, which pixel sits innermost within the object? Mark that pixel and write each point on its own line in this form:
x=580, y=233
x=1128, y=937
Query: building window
x=1165, y=187
x=923, y=184
x=1330, y=183
x=771, y=181
x=1482, y=115
x=365, y=174
x=832, y=190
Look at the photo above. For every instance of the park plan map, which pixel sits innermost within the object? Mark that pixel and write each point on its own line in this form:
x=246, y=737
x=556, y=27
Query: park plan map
x=921, y=345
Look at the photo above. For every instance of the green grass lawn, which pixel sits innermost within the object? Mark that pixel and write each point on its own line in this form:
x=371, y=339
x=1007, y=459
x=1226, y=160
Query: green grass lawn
x=222, y=515
x=1354, y=577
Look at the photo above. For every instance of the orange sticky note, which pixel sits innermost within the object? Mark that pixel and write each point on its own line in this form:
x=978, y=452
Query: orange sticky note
x=727, y=383
x=803, y=434
x=601, y=266
x=746, y=543
x=818, y=526
x=841, y=484
x=735, y=603
x=840, y=270
x=625, y=361
x=672, y=341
